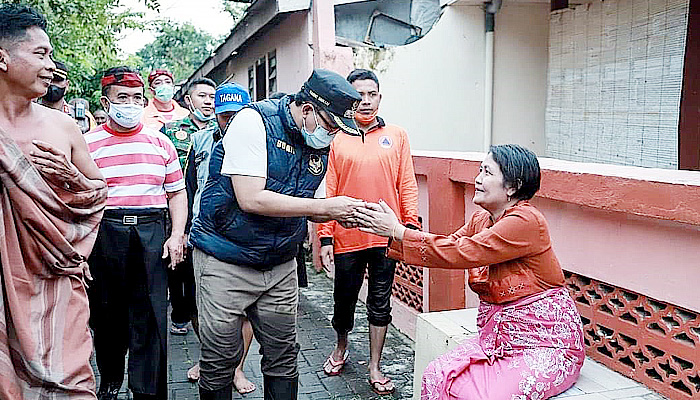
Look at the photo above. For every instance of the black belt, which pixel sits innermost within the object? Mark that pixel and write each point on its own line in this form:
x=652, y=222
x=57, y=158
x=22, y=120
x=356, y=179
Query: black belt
x=129, y=217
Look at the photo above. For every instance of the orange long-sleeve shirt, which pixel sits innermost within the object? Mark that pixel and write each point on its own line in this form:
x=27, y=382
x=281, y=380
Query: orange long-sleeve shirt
x=155, y=119
x=507, y=260
x=379, y=168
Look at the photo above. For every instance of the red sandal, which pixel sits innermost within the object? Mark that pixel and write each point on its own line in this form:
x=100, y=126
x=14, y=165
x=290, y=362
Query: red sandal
x=335, y=366
x=381, y=382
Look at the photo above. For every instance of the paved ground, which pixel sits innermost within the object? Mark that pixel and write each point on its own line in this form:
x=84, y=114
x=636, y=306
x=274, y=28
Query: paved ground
x=317, y=339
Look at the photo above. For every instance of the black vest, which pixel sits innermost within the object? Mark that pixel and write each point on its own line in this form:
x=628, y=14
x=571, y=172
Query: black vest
x=234, y=236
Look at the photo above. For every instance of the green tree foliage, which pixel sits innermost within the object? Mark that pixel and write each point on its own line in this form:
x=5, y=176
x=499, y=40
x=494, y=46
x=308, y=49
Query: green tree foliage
x=236, y=9
x=179, y=47
x=84, y=34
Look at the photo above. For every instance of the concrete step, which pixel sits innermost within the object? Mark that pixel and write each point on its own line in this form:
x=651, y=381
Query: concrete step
x=439, y=332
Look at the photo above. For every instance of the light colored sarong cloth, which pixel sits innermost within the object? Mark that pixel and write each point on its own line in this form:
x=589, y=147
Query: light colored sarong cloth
x=528, y=349
x=46, y=232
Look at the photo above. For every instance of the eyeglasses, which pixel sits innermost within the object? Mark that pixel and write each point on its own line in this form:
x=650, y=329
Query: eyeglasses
x=334, y=127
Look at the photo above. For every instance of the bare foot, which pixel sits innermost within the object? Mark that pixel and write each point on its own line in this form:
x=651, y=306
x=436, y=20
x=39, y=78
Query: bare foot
x=241, y=383
x=193, y=373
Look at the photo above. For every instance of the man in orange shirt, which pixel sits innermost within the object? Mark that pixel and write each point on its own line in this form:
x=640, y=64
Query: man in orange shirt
x=162, y=108
x=376, y=166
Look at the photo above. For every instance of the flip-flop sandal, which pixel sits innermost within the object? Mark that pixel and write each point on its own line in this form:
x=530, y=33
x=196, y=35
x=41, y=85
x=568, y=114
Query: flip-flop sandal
x=381, y=382
x=336, y=366
x=178, y=329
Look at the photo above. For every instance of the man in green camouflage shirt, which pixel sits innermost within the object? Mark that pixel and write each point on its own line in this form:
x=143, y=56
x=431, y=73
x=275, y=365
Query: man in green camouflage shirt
x=200, y=101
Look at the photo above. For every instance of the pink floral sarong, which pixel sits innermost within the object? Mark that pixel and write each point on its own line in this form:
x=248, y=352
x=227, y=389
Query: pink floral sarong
x=529, y=349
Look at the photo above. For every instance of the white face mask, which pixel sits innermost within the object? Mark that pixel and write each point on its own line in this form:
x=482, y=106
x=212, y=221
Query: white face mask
x=125, y=115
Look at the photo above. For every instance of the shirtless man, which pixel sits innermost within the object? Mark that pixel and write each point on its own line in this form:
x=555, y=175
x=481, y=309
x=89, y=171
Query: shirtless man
x=50, y=209
x=26, y=71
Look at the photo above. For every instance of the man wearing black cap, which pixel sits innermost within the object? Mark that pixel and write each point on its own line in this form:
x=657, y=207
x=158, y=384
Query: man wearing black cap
x=263, y=177
x=55, y=95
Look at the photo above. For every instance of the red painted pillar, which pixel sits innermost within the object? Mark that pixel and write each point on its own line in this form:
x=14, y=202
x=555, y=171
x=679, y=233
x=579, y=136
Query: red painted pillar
x=445, y=288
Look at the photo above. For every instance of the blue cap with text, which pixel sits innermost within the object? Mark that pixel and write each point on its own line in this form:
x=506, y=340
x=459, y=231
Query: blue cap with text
x=230, y=97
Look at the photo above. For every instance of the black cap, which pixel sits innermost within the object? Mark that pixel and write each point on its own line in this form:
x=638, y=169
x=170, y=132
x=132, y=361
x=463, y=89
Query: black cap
x=336, y=96
x=60, y=72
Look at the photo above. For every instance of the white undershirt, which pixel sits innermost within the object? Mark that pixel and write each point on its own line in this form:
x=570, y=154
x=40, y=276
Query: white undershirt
x=245, y=145
x=245, y=148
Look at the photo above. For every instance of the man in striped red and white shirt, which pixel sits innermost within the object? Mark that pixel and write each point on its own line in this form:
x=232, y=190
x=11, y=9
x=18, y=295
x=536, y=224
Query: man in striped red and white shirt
x=128, y=299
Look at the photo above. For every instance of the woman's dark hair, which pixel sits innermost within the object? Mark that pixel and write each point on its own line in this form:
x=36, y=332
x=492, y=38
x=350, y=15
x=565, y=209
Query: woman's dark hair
x=362, y=74
x=15, y=19
x=520, y=169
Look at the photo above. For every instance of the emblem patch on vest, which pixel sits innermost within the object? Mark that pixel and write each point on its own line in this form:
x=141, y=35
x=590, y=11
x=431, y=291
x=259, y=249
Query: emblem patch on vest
x=181, y=135
x=385, y=142
x=315, y=165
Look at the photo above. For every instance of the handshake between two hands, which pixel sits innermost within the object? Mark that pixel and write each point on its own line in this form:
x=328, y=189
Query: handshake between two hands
x=377, y=218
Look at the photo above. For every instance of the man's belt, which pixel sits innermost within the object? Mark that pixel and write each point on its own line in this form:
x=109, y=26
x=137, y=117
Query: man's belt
x=126, y=218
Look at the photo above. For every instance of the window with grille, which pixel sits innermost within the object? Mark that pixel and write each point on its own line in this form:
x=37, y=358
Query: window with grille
x=271, y=72
x=251, y=82
x=262, y=76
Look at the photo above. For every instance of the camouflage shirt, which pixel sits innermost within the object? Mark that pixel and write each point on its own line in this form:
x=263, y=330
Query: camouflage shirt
x=180, y=133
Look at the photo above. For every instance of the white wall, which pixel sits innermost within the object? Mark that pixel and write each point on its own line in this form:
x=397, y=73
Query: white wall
x=435, y=87
x=294, y=55
x=520, y=75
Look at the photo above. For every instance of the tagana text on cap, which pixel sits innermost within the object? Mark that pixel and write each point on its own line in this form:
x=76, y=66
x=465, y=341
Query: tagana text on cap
x=336, y=96
x=230, y=97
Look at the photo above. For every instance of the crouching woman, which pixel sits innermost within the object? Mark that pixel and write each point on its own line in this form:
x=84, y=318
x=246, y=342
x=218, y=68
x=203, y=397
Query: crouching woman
x=530, y=340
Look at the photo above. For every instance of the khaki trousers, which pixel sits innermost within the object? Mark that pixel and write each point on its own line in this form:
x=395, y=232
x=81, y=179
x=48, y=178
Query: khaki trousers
x=226, y=293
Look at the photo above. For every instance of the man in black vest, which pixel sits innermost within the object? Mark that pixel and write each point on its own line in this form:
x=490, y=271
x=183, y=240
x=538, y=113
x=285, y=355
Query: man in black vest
x=262, y=186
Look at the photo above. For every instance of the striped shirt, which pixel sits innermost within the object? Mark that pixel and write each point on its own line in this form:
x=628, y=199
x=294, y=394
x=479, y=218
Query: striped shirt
x=139, y=166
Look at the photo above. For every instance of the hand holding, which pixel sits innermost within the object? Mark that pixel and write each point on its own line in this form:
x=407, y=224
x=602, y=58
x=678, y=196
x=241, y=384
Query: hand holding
x=174, y=248
x=349, y=224
x=379, y=219
x=53, y=164
x=327, y=259
x=342, y=208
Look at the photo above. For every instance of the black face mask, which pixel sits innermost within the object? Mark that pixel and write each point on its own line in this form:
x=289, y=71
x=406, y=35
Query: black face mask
x=54, y=94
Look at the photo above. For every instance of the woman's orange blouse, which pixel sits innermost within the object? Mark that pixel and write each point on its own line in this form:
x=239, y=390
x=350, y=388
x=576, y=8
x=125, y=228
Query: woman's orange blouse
x=507, y=260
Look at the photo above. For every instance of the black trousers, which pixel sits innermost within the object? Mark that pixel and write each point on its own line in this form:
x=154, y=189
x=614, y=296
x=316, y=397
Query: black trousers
x=128, y=300
x=182, y=292
x=349, y=275
x=302, y=278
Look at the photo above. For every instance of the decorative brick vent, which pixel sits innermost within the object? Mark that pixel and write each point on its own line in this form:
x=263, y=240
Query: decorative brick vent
x=408, y=285
x=651, y=341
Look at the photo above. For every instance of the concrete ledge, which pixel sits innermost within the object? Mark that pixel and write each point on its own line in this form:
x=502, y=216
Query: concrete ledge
x=439, y=332
x=671, y=195
x=436, y=334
